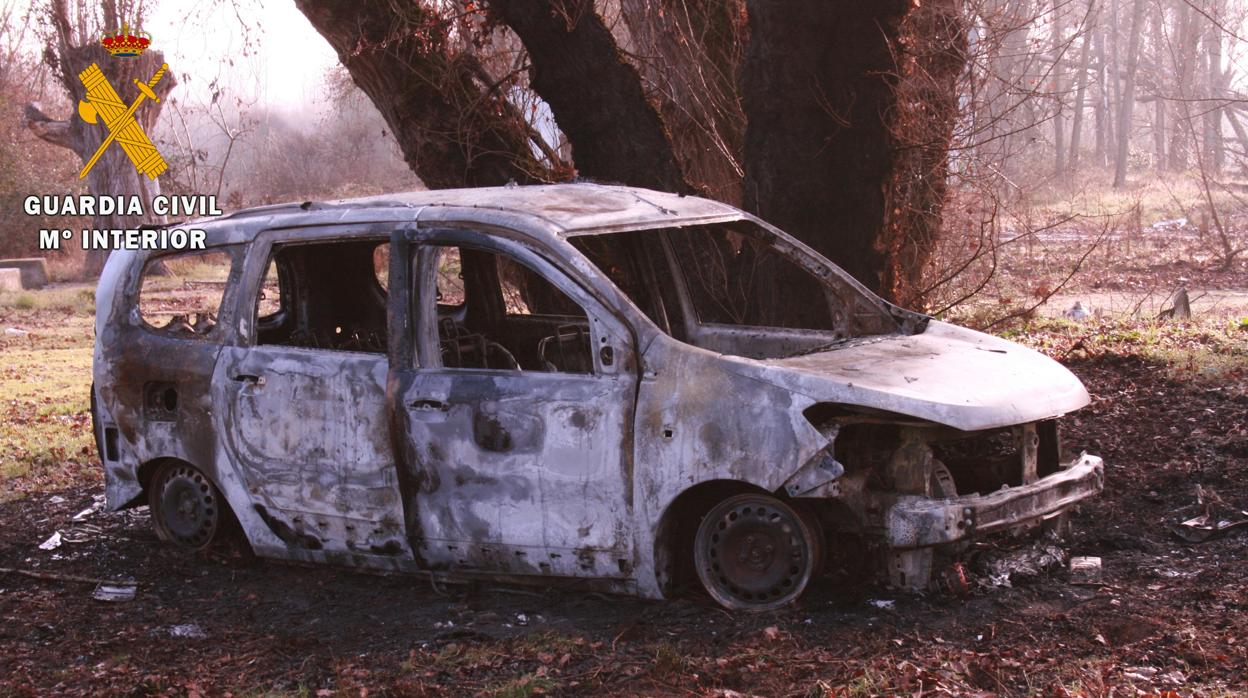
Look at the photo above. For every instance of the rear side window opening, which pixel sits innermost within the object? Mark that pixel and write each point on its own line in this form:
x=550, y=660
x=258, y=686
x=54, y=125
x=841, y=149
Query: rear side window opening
x=180, y=296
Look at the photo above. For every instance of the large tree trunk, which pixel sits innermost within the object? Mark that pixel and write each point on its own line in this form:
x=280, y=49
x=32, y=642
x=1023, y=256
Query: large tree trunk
x=1159, y=104
x=1114, y=74
x=817, y=86
x=1128, y=96
x=453, y=123
x=596, y=97
x=113, y=174
x=822, y=152
x=924, y=117
x=1102, y=114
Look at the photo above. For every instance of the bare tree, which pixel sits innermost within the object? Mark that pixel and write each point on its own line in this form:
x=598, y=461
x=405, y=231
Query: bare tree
x=1081, y=86
x=1125, y=109
x=73, y=44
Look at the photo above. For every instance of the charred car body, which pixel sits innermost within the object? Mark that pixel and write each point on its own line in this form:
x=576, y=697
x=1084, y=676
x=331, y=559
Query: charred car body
x=638, y=388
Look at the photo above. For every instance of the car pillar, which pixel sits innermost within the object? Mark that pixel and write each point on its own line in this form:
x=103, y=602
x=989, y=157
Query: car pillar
x=910, y=470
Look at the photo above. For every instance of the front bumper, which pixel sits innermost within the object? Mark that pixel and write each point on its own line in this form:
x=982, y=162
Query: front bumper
x=920, y=522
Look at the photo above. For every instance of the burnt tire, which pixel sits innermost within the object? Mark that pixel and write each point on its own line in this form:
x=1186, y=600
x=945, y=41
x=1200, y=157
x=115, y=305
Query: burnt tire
x=187, y=508
x=756, y=552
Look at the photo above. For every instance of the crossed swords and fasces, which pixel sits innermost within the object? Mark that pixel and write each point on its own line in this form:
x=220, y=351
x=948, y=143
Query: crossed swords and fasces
x=103, y=101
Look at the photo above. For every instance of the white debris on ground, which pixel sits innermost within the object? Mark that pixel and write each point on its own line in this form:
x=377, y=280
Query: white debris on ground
x=98, y=503
x=1172, y=224
x=114, y=593
x=188, y=631
x=52, y=543
x=1003, y=568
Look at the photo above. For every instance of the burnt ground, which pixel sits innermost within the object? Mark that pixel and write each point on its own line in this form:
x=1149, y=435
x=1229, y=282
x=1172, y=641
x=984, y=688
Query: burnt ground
x=1170, y=618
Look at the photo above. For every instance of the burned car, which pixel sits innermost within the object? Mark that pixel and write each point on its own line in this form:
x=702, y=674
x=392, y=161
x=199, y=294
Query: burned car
x=642, y=390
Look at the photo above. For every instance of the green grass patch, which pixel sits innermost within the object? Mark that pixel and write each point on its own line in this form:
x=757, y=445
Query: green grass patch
x=46, y=441
x=1210, y=351
x=523, y=687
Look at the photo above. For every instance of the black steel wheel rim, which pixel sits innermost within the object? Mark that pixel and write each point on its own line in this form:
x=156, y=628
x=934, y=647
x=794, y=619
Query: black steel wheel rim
x=189, y=510
x=755, y=553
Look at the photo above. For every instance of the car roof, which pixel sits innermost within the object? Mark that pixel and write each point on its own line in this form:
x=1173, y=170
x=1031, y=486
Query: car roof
x=562, y=209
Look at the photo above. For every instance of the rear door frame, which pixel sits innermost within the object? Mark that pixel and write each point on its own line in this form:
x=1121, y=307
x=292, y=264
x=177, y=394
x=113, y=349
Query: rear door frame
x=384, y=544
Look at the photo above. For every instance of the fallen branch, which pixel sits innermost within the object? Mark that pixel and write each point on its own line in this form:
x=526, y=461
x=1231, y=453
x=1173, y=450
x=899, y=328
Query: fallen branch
x=56, y=577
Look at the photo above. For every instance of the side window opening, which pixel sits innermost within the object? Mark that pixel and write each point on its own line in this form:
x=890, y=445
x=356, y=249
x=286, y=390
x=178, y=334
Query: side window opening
x=269, y=302
x=381, y=265
x=325, y=295
x=525, y=292
x=508, y=316
x=181, y=296
x=450, y=286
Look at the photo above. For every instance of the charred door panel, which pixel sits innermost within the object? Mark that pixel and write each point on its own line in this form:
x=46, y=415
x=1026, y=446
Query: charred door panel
x=527, y=464
x=305, y=402
x=312, y=442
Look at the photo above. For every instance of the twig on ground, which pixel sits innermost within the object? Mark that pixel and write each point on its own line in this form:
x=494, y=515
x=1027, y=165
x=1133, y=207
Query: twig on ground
x=57, y=577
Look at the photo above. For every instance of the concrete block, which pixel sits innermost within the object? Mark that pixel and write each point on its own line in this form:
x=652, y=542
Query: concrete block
x=10, y=280
x=34, y=270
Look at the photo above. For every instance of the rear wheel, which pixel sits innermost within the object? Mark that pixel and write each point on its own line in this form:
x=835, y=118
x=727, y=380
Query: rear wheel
x=187, y=509
x=756, y=552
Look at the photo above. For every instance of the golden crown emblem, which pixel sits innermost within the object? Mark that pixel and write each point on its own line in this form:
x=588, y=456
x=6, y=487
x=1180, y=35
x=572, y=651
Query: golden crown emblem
x=126, y=44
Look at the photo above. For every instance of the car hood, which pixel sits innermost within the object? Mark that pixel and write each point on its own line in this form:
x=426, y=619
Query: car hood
x=948, y=375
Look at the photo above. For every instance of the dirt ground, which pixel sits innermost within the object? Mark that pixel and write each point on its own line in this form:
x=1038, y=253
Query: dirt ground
x=1169, y=619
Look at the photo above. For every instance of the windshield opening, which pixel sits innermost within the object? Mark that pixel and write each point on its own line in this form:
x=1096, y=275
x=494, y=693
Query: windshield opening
x=736, y=288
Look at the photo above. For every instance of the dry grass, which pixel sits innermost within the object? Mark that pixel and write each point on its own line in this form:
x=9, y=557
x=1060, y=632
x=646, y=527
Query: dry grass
x=46, y=441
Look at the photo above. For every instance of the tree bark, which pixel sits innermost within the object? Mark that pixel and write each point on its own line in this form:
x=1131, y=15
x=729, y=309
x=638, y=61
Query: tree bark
x=1159, y=105
x=1214, y=152
x=451, y=120
x=1102, y=112
x=595, y=96
x=925, y=114
x=817, y=86
x=689, y=55
x=1115, y=82
x=1128, y=96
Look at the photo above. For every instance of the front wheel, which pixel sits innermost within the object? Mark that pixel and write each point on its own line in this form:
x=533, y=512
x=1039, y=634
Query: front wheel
x=187, y=509
x=756, y=552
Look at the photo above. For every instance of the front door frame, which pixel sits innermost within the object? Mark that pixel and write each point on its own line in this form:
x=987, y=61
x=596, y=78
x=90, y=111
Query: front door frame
x=609, y=552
